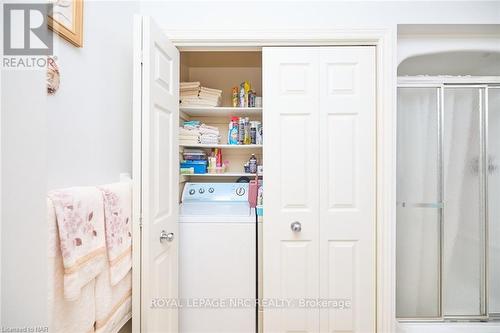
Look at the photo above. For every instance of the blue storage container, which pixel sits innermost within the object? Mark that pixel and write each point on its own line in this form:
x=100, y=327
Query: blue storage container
x=198, y=166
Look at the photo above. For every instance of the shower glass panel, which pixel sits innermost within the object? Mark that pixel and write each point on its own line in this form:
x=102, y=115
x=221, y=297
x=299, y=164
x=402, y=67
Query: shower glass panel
x=463, y=243
x=418, y=207
x=494, y=198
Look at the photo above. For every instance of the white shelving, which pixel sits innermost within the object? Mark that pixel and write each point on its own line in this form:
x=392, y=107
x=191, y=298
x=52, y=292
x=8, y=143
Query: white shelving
x=223, y=146
x=220, y=111
x=226, y=174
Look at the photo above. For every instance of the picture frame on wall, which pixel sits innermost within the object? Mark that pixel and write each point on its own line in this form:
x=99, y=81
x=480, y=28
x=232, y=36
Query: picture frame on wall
x=66, y=20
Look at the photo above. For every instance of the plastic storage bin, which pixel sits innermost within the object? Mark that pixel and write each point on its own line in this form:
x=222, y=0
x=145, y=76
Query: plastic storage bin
x=198, y=166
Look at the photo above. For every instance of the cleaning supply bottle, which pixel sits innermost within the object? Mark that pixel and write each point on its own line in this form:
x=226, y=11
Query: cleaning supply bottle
x=232, y=136
x=253, y=164
x=247, y=139
x=241, y=131
x=218, y=157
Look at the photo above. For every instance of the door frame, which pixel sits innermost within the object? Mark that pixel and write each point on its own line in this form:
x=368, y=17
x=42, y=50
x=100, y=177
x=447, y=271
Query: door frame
x=384, y=39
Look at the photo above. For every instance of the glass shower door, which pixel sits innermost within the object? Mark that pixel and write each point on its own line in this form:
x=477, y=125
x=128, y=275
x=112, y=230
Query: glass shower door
x=448, y=202
x=418, y=206
x=494, y=199
x=463, y=227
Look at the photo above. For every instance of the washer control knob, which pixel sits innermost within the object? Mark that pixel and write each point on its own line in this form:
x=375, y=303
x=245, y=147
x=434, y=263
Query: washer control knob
x=240, y=191
x=201, y=190
x=191, y=191
x=211, y=190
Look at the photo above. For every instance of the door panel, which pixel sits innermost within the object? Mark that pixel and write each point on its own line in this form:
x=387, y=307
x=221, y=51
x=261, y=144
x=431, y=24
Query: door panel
x=494, y=197
x=159, y=177
x=418, y=211
x=463, y=268
x=290, y=78
x=347, y=190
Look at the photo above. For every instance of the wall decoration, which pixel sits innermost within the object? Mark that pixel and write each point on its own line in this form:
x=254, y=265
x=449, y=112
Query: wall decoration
x=53, y=76
x=66, y=20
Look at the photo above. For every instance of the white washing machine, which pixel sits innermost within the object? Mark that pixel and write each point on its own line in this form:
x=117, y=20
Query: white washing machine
x=217, y=259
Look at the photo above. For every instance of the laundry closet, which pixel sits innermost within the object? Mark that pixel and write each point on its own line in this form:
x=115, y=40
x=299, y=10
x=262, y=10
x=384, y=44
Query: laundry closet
x=306, y=250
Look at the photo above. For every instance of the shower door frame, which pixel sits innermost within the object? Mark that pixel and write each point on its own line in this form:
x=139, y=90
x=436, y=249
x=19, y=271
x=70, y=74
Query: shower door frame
x=483, y=84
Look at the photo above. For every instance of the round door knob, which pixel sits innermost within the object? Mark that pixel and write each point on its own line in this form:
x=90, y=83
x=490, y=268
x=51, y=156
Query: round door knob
x=296, y=226
x=164, y=236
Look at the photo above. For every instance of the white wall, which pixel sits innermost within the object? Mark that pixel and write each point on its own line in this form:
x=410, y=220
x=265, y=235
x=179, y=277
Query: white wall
x=23, y=243
x=259, y=15
x=80, y=136
x=84, y=137
x=90, y=118
x=24, y=227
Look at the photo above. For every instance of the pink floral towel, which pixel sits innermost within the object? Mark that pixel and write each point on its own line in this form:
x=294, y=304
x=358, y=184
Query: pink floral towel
x=118, y=224
x=80, y=221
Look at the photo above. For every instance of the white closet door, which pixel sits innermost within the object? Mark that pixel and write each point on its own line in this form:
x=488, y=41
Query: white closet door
x=290, y=85
x=159, y=177
x=347, y=187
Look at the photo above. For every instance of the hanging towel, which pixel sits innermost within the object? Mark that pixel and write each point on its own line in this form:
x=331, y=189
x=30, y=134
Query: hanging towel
x=118, y=227
x=80, y=220
x=113, y=304
x=64, y=315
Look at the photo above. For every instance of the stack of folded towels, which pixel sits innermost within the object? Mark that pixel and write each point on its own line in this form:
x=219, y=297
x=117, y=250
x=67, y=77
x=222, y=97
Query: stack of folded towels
x=194, y=132
x=193, y=94
x=209, y=135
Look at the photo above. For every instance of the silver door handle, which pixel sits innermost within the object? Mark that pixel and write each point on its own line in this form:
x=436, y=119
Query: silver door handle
x=296, y=226
x=164, y=236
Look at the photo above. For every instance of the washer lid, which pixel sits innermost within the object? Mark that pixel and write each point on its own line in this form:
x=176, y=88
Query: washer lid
x=215, y=208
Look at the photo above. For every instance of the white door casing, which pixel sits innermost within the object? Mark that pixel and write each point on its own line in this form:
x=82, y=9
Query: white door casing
x=347, y=168
x=159, y=177
x=290, y=85
x=320, y=111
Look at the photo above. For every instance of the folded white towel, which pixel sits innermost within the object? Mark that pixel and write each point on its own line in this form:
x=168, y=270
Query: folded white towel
x=215, y=99
x=64, y=315
x=118, y=225
x=188, y=138
x=211, y=90
x=204, y=141
x=189, y=93
x=209, y=138
x=207, y=134
x=190, y=84
x=206, y=129
x=200, y=103
x=189, y=142
x=189, y=131
x=80, y=221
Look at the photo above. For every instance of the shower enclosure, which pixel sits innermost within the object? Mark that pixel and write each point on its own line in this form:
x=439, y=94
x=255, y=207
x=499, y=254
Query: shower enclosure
x=448, y=199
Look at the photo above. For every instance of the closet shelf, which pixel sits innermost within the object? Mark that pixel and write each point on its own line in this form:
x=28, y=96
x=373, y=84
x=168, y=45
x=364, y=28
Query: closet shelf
x=220, y=111
x=226, y=174
x=226, y=146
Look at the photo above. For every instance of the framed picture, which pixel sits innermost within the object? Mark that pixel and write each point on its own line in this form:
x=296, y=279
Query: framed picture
x=67, y=20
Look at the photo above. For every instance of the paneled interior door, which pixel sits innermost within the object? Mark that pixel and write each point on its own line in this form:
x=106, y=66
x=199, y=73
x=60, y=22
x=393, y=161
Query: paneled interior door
x=159, y=177
x=291, y=116
x=319, y=223
x=347, y=187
